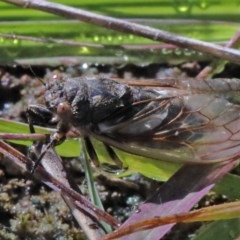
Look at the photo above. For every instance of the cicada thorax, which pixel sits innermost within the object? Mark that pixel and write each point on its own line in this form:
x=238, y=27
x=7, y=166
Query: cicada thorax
x=84, y=103
x=91, y=100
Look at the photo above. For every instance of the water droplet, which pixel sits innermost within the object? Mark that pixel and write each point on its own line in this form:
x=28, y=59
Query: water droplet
x=138, y=210
x=16, y=41
x=133, y=200
x=187, y=52
x=183, y=6
x=125, y=58
x=119, y=53
x=120, y=38
x=84, y=66
x=7, y=105
x=178, y=51
x=204, y=4
x=84, y=50
x=96, y=38
x=2, y=40
x=109, y=38
x=166, y=51
x=131, y=37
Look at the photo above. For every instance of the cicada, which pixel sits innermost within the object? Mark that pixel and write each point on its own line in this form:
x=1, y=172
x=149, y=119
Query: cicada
x=187, y=121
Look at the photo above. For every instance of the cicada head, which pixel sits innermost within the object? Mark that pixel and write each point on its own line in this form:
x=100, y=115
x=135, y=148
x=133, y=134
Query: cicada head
x=54, y=94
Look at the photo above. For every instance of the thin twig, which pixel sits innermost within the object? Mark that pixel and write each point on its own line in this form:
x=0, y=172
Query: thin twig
x=208, y=71
x=51, y=40
x=23, y=136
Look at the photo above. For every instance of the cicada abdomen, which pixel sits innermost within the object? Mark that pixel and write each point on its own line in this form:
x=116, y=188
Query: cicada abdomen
x=193, y=121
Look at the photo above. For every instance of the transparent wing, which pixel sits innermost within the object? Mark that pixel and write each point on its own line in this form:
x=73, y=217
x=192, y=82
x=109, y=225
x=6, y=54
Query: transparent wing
x=191, y=121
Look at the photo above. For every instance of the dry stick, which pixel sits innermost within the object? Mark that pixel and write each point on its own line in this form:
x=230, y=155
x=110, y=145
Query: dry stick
x=235, y=40
x=53, y=164
x=130, y=27
x=23, y=136
x=208, y=70
x=199, y=215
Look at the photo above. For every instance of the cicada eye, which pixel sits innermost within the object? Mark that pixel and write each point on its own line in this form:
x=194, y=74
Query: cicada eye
x=56, y=77
x=63, y=109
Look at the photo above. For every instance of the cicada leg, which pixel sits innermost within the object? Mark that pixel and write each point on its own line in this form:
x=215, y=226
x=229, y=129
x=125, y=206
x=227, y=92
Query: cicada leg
x=91, y=151
x=94, y=158
x=114, y=157
x=41, y=115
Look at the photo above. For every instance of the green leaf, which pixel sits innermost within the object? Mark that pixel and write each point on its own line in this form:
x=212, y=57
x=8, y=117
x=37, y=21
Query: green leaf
x=223, y=230
x=8, y=126
x=151, y=168
x=229, y=186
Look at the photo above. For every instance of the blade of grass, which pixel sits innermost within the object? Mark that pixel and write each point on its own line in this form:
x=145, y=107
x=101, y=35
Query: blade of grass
x=92, y=190
x=133, y=28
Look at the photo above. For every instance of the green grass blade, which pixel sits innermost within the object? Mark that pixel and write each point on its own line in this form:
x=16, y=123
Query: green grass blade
x=171, y=16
